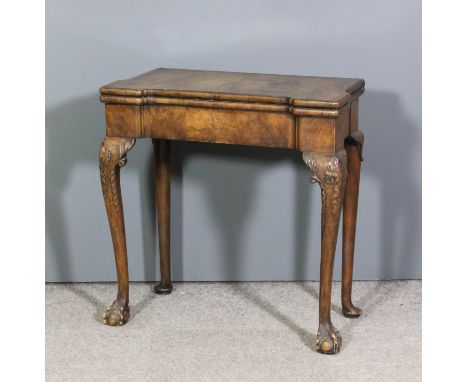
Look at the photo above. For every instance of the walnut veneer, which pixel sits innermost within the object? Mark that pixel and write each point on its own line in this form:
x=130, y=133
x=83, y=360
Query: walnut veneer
x=317, y=116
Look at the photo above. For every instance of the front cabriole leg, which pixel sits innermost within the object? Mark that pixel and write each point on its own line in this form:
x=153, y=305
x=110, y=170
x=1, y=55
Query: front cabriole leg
x=329, y=171
x=112, y=156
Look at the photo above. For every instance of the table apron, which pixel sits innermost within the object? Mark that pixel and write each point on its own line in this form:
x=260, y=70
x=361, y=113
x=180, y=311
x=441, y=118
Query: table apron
x=243, y=127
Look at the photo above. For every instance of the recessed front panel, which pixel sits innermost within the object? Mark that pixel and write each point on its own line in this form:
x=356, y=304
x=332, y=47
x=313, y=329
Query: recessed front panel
x=253, y=128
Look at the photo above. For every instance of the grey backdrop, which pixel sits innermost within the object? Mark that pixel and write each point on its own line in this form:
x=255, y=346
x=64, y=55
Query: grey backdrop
x=238, y=213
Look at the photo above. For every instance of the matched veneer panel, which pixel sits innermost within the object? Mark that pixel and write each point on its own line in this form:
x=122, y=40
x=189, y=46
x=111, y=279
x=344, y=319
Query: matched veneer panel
x=242, y=127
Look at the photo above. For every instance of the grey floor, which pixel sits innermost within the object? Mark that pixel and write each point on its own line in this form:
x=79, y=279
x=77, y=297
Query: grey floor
x=232, y=332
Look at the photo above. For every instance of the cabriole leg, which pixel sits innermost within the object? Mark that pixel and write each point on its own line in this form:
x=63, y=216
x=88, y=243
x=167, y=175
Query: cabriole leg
x=353, y=145
x=112, y=156
x=329, y=171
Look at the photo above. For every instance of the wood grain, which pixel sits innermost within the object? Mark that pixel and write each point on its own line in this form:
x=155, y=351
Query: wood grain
x=315, y=115
x=219, y=126
x=300, y=91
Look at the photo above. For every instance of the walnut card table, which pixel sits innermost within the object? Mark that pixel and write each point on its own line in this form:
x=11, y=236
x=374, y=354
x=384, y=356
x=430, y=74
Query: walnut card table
x=317, y=116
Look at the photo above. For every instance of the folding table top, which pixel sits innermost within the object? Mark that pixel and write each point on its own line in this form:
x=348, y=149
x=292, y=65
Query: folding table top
x=299, y=91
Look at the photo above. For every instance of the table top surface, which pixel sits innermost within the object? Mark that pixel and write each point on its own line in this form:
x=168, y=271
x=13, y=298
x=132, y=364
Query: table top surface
x=302, y=91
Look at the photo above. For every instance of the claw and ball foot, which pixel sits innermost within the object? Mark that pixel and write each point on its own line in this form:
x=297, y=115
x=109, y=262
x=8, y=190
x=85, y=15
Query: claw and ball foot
x=117, y=314
x=328, y=339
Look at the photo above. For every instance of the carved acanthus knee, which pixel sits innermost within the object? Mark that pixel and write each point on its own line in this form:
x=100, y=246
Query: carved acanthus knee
x=329, y=170
x=112, y=156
